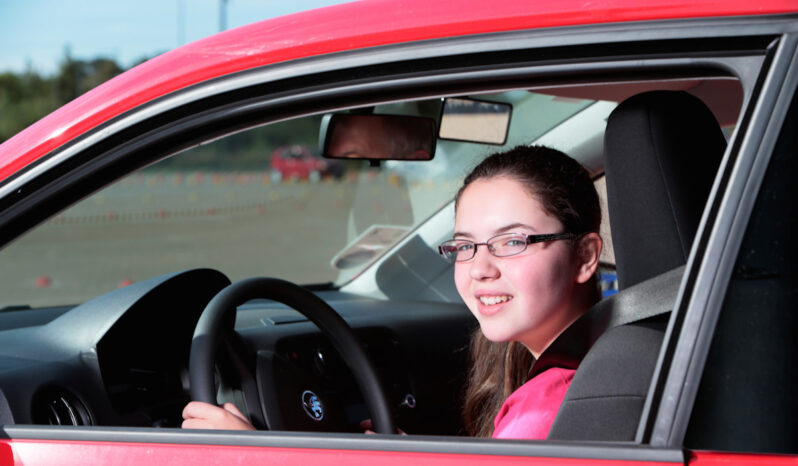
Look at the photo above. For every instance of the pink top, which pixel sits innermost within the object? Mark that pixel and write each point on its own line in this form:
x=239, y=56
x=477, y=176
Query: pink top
x=530, y=410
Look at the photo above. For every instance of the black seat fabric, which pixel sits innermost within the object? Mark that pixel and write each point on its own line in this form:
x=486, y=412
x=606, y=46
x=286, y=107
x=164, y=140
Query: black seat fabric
x=662, y=150
x=605, y=401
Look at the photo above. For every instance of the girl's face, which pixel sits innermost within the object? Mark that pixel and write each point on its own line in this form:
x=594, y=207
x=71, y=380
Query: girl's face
x=528, y=297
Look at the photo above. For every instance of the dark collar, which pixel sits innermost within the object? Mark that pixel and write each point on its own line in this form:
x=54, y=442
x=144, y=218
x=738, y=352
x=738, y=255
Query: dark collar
x=568, y=349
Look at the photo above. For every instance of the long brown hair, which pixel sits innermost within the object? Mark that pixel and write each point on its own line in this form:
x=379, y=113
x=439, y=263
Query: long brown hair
x=565, y=190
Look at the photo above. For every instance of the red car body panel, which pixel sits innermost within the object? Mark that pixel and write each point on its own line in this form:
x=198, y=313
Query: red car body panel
x=704, y=458
x=44, y=452
x=334, y=29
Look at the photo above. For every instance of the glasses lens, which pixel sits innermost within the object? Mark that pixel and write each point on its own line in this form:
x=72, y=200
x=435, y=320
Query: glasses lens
x=448, y=251
x=457, y=250
x=507, y=245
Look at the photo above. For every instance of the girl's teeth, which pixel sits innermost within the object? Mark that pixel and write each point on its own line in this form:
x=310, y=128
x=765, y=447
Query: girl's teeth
x=490, y=300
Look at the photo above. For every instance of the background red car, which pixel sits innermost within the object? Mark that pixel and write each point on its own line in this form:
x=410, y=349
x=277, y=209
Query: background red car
x=298, y=162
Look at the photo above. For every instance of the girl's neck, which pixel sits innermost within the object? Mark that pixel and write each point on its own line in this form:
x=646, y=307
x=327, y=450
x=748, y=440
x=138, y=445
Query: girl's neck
x=584, y=298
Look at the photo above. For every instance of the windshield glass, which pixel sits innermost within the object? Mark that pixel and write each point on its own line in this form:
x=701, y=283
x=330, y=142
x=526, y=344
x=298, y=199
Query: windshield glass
x=257, y=203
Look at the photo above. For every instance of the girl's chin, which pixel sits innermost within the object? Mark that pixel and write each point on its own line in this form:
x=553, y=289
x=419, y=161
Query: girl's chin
x=497, y=335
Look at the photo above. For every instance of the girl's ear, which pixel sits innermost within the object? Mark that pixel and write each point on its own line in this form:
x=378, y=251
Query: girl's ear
x=588, y=251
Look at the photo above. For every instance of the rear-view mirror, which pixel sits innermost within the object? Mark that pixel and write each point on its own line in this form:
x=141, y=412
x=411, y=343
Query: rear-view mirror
x=377, y=137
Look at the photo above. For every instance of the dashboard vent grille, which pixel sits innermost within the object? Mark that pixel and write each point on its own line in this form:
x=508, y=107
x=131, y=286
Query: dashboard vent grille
x=59, y=407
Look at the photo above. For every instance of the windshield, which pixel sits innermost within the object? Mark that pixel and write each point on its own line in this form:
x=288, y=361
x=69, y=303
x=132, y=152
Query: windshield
x=257, y=203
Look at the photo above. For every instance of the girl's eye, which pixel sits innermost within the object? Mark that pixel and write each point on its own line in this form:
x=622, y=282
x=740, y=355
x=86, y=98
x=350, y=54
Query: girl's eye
x=514, y=243
x=464, y=247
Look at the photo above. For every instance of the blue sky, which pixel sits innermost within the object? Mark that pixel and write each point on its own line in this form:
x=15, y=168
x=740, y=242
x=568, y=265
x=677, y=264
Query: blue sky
x=36, y=33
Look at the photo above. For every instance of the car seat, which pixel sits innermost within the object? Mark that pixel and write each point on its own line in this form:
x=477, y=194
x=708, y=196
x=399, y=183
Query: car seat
x=662, y=150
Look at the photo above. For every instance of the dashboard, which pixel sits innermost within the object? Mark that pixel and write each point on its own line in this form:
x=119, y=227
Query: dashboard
x=122, y=360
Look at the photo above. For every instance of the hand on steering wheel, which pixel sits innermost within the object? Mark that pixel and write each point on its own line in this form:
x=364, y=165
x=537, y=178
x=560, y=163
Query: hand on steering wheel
x=201, y=415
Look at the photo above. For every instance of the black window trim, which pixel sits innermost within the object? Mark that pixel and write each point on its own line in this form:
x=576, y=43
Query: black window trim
x=735, y=205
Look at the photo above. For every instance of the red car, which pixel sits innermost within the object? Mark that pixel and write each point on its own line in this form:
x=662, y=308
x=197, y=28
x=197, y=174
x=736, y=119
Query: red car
x=124, y=214
x=298, y=162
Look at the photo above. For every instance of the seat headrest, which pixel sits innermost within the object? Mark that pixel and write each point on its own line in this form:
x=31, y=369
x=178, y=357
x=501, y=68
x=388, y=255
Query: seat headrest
x=662, y=150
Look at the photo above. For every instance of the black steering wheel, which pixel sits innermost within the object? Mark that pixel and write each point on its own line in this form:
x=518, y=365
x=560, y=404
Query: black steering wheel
x=215, y=324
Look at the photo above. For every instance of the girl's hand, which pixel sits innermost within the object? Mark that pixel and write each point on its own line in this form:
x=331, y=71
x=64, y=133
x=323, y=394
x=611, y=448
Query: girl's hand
x=199, y=415
x=367, y=427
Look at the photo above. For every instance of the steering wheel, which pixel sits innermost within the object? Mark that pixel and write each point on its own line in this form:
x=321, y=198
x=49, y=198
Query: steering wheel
x=215, y=324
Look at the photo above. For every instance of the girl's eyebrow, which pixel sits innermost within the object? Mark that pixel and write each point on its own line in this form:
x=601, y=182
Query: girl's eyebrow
x=514, y=226
x=498, y=231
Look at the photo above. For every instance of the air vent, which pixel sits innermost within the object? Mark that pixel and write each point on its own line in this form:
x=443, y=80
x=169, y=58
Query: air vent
x=59, y=407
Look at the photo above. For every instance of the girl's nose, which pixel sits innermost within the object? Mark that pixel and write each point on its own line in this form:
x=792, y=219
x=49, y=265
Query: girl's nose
x=483, y=265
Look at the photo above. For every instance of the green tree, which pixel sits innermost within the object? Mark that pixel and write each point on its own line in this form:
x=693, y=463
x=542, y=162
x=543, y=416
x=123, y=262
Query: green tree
x=24, y=99
x=27, y=97
x=75, y=77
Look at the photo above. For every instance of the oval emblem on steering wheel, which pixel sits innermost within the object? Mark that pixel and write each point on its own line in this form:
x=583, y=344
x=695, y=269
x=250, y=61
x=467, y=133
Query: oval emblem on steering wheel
x=312, y=405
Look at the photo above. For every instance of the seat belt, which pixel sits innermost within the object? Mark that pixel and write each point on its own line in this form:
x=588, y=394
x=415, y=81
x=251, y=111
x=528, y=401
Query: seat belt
x=649, y=298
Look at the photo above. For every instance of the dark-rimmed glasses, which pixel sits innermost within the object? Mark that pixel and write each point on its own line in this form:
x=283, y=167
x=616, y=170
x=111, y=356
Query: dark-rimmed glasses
x=504, y=245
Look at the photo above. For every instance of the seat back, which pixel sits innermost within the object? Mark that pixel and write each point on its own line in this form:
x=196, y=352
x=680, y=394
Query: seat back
x=662, y=150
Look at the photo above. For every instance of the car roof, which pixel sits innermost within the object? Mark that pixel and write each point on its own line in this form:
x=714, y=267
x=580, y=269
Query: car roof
x=333, y=29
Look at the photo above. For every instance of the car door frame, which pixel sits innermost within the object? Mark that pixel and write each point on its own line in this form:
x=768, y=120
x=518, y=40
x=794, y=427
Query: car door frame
x=80, y=168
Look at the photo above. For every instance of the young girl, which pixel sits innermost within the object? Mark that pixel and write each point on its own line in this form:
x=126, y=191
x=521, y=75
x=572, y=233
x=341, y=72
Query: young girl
x=526, y=248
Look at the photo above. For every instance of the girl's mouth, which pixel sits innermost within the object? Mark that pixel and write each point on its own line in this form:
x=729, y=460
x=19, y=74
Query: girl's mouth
x=490, y=304
x=491, y=300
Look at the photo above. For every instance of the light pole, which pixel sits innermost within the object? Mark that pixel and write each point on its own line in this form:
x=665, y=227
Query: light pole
x=222, y=15
x=181, y=22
